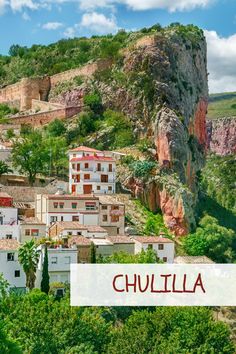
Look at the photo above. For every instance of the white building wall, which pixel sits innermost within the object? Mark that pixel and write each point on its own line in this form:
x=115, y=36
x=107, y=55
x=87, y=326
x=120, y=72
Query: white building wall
x=10, y=231
x=84, y=219
x=8, y=216
x=8, y=269
x=168, y=250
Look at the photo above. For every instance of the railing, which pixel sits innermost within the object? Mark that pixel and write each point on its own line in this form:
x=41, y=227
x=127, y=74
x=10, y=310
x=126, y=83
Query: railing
x=9, y=223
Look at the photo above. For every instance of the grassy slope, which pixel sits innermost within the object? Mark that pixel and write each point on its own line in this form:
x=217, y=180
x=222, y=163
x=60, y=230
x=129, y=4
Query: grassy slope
x=222, y=105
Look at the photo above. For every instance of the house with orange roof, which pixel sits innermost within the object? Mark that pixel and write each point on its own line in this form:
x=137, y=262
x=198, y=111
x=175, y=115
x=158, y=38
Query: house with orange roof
x=91, y=171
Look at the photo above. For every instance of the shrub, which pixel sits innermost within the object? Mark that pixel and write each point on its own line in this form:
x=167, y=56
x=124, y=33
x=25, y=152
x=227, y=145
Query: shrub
x=143, y=169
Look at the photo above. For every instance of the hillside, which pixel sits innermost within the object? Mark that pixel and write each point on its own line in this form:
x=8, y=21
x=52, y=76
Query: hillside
x=222, y=105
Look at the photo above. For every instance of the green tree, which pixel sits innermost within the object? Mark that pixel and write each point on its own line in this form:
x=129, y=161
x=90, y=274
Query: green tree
x=8, y=346
x=45, y=275
x=93, y=101
x=93, y=257
x=57, y=163
x=4, y=285
x=10, y=134
x=30, y=156
x=28, y=258
x=212, y=240
x=172, y=330
x=4, y=168
x=148, y=256
x=56, y=128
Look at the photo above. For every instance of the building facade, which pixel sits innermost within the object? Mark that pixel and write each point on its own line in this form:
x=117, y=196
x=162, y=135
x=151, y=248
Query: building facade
x=9, y=228
x=164, y=247
x=50, y=208
x=32, y=228
x=67, y=229
x=9, y=265
x=91, y=171
x=112, y=215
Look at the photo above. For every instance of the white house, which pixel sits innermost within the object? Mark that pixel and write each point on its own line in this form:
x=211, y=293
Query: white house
x=65, y=229
x=9, y=228
x=50, y=208
x=164, y=247
x=59, y=261
x=91, y=171
x=31, y=228
x=9, y=265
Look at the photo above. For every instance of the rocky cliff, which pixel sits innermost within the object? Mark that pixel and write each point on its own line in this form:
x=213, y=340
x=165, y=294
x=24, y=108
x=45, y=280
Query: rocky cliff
x=160, y=82
x=221, y=136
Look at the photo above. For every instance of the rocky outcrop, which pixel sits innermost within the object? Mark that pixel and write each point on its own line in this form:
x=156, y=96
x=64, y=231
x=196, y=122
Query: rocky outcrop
x=221, y=136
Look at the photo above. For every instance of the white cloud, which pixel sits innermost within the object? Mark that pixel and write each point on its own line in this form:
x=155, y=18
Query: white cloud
x=25, y=16
x=170, y=5
x=18, y=5
x=70, y=32
x=221, y=62
x=3, y=4
x=99, y=22
x=52, y=26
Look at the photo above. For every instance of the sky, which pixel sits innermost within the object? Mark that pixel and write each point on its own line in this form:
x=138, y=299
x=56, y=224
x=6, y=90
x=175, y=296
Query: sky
x=28, y=22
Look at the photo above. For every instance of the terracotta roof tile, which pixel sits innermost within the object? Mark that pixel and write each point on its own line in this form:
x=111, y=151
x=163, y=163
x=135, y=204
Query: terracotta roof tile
x=79, y=240
x=11, y=245
x=84, y=148
x=120, y=239
x=152, y=239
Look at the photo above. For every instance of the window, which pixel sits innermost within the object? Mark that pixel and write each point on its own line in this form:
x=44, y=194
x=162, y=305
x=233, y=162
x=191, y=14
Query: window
x=104, y=218
x=67, y=260
x=104, y=207
x=99, y=167
x=161, y=246
x=86, y=165
x=62, y=218
x=78, y=167
x=53, y=219
x=150, y=246
x=78, y=178
x=115, y=218
x=115, y=207
x=74, y=205
x=73, y=166
x=79, y=233
x=10, y=257
x=61, y=205
x=165, y=259
x=110, y=188
x=75, y=218
x=90, y=206
x=55, y=205
x=35, y=232
x=17, y=273
x=54, y=260
x=104, y=178
x=87, y=176
x=9, y=237
x=98, y=188
x=69, y=233
x=110, y=167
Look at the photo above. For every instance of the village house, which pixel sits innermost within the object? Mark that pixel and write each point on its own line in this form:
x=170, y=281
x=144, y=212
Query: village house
x=91, y=171
x=112, y=215
x=59, y=261
x=66, y=229
x=83, y=246
x=32, y=228
x=9, y=228
x=50, y=208
x=122, y=244
x=164, y=247
x=9, y=265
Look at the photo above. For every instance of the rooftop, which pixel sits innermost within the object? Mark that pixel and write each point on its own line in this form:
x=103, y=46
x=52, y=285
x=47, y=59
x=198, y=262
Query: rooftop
x=71, y=196
x=109, y=199
x=5, y=195
x=32, y=221
x=152, y=239
x=9, y=245
x=193, y=260
x=84, y=148
x=74, y=225
x=79, y=240
x=120, y=239
x=92, y=158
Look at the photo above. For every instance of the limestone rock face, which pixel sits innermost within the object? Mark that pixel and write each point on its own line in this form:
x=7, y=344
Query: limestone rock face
x=221, y=136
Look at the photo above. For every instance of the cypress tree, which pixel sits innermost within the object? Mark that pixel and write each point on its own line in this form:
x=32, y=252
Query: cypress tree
x=45, y=275
x=92, y=253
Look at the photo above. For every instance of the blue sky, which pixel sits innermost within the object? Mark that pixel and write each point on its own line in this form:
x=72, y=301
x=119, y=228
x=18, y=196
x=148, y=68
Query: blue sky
x=28, y=22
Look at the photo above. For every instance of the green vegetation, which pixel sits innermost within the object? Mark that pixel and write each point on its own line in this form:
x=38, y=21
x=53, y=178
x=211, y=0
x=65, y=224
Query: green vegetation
x=148, y=257
x=45, y=275
x=143, y=169
x=28, y=258
x=40, y=323
x=4, y=168
x=93, y=257
x=222, y=105
x=5, y=111
x=211, y=240
x=218, y=180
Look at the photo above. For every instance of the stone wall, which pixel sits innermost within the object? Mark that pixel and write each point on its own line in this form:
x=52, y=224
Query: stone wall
x=41, y=118
x=21, y=94
x=38, y=105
